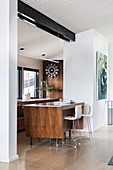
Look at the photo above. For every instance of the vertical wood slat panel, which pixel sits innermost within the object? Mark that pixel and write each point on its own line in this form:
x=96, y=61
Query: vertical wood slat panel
x=43, y=122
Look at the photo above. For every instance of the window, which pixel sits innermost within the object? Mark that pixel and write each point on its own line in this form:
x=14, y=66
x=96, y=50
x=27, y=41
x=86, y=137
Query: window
x=31, y=82
x=19, y=82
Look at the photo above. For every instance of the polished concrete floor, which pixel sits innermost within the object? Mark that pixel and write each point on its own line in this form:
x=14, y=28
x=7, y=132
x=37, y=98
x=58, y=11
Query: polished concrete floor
x=91, y=156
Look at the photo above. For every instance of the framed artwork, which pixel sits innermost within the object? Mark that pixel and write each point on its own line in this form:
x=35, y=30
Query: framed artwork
x=101, y=78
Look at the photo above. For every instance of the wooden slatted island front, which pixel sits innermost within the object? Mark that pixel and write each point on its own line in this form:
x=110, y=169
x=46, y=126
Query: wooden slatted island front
x=45, y=120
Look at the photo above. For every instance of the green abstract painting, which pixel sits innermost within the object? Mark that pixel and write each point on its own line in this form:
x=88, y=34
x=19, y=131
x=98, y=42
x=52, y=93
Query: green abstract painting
x=101, y=76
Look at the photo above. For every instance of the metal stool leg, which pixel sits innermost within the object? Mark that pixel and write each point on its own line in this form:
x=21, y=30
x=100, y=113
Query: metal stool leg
x=50, y=142
x=70, y=133
x=75, y=141
x=56, y=142
x=38, y=140
x=64, y=135
x=30, y=140
x=62, y=141
x=89, y=128
x=64, y=132
x=79, y=132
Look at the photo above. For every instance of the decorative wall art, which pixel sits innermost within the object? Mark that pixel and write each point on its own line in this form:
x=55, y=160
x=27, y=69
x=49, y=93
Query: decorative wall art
x=52, y=70
x=101, y=77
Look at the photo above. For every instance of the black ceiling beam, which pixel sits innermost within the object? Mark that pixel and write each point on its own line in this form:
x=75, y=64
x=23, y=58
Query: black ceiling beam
x=25, y=12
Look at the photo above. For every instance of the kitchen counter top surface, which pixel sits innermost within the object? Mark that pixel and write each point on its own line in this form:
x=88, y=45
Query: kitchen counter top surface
x=51, y=104
x=32, y=100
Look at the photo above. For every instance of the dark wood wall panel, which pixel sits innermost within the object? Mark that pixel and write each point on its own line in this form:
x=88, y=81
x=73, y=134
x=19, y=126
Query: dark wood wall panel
x=54, y=82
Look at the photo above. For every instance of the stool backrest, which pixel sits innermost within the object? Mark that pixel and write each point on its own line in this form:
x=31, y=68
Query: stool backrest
x=88, y=109
x=78, y=111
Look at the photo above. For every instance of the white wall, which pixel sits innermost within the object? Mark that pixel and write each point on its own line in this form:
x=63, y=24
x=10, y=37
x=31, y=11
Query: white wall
x=100, y=110
x=8, y=85
x=80, y=72
x=32, y=63
x=78, y=69
x=111, y=71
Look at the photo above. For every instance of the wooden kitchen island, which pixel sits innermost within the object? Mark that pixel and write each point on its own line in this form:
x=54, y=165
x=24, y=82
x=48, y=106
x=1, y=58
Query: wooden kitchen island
x=45, y=120
x=20, y=111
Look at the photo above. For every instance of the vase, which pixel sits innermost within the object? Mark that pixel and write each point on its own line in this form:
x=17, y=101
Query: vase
x=47, y=94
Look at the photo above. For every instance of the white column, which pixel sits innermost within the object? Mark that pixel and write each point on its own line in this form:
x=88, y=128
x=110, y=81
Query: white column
x=8, y=82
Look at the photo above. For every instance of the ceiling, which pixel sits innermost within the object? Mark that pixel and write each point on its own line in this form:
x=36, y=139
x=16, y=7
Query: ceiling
x=79, y=15
x=37, y=42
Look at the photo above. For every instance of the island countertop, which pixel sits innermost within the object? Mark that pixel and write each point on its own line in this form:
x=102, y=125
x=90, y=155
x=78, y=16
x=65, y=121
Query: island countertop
x=50, y=104
x=33, y=100
x=55, y=104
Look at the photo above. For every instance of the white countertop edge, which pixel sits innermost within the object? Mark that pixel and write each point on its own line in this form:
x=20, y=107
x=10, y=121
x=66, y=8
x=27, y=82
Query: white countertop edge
x=48, y=105
x=31, y=100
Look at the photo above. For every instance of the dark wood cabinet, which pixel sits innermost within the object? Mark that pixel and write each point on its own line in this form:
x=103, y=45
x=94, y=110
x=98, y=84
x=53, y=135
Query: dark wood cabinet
x=20, y=117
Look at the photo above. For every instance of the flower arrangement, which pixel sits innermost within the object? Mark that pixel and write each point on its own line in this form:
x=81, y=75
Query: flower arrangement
x=47, y=88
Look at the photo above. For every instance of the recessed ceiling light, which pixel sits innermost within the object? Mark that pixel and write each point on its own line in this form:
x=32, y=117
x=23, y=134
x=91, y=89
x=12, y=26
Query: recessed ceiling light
x=21, y=48
x=43, y=54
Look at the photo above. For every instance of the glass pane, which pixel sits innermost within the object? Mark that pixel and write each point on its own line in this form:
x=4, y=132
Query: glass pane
x=29, y=82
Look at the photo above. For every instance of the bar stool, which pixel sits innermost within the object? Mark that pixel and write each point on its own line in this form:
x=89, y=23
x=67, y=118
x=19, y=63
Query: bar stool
x=77, y=116
x=87, y=114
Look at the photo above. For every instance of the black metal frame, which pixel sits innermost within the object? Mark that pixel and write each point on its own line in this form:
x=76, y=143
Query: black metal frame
x=19, y=82
x=40, y=20
x=30, y=69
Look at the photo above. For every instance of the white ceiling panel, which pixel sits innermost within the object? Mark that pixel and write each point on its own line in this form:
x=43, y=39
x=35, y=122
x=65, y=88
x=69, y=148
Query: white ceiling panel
x=36, y=42
x=78, y=15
